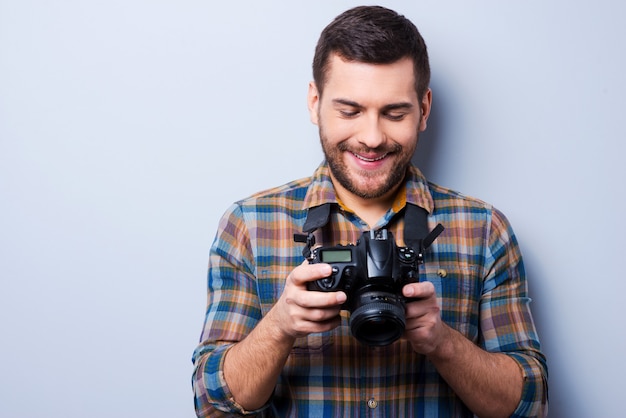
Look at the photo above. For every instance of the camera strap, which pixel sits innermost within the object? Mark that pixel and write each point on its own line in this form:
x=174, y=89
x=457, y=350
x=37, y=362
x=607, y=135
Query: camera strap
x=415, y=222
x=416, y=235
x=415, y=225
x=317, y=217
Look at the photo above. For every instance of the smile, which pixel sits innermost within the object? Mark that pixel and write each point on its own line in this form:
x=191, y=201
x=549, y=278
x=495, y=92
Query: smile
x=369, y=160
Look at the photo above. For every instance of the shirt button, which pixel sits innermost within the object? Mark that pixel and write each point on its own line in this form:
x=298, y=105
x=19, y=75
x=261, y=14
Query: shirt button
x=442, y=273
x=372, y=403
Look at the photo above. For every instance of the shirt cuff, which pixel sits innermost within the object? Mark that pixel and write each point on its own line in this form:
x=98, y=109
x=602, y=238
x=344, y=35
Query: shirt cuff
x=216, y=386
x=534, y=401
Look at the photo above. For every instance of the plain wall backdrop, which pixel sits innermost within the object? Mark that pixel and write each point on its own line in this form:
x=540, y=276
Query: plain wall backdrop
x=128, y=127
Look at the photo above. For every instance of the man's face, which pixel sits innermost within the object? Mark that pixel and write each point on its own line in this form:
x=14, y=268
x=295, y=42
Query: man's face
x=369, y=118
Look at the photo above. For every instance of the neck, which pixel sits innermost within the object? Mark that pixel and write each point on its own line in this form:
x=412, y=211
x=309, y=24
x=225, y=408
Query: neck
x=369, y=210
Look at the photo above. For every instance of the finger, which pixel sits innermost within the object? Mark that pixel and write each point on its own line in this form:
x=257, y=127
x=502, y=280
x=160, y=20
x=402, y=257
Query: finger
x=306, y=272
x=321, y=314
x=318, y=299
x=308, y=326
x=422, y=290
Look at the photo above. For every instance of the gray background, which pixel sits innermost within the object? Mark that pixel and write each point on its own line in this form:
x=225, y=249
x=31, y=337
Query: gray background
x=127, y=128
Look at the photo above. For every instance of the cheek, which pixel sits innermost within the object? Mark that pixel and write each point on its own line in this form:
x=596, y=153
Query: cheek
x=403, y=134
x=336, y=130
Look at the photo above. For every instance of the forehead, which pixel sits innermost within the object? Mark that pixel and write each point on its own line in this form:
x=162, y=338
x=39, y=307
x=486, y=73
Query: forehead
x=363, y=82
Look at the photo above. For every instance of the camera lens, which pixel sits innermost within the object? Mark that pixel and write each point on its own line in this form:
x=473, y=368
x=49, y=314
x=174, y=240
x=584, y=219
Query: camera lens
x=378, y=318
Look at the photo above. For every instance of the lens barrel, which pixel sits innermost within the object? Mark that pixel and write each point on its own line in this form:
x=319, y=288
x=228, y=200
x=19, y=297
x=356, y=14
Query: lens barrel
x=378, y=318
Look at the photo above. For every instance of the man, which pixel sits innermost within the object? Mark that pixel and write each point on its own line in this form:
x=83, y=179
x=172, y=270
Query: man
x=271, y=347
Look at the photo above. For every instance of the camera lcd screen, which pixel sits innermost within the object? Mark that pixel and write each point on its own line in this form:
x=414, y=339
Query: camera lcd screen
x=336, y=256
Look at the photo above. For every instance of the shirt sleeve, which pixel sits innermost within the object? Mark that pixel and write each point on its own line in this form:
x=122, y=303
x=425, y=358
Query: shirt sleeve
x=232, y=312
x=506, y=321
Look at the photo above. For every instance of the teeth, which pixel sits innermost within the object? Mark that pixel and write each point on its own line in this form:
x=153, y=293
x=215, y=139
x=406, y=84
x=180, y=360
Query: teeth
x=369, y=160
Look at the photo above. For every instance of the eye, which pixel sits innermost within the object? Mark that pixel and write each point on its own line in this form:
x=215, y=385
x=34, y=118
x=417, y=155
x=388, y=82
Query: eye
x=348, y=113
x=395, y=116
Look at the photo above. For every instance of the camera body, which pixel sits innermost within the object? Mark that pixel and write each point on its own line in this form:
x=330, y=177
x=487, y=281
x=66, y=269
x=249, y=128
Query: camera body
x=372, y=273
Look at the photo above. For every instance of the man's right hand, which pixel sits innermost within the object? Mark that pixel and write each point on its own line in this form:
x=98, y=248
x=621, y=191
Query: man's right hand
x=299, y=311
x=252, y=366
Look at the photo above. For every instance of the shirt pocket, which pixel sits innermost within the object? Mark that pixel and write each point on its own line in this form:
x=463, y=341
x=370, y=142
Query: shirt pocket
x=459, y=288
x=270, y=285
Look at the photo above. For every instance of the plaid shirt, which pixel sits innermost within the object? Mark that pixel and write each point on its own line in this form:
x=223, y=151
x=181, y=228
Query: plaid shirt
x=475, y=265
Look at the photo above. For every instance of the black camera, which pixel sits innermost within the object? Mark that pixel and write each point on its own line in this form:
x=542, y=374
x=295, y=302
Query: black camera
x=372, y=273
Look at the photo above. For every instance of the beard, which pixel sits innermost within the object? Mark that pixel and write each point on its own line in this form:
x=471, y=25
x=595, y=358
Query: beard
x=367, y=184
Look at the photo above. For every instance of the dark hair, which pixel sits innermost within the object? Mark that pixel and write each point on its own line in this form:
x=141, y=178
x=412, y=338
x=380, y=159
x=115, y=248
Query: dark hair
x=375, y=35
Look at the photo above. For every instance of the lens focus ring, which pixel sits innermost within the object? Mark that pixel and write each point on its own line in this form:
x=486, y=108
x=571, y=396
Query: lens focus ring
x=378, y=323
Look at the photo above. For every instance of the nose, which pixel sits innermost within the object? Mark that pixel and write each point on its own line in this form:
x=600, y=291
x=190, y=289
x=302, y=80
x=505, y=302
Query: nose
x=371, y=133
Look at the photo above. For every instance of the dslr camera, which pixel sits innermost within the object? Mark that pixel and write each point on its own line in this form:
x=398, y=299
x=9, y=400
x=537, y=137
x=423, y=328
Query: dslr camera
x=372, y=273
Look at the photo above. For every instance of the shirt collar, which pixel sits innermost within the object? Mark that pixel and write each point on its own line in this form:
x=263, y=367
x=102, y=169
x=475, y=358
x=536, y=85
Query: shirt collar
x=415, y=190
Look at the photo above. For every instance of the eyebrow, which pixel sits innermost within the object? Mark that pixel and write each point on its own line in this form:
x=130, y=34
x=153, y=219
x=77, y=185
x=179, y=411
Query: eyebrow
x=386, y=108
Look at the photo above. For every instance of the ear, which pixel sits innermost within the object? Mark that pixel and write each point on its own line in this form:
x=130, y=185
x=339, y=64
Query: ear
x=313, y=101
x=425, y=105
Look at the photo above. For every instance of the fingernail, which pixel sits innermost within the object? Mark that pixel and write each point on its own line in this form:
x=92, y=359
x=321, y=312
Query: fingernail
x=341, y=297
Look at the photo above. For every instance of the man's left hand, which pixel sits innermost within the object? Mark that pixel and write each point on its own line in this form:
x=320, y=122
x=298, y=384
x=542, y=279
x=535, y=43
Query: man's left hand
x=424, y=327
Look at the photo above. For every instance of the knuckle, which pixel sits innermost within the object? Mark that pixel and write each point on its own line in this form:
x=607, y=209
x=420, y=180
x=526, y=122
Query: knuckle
x=317, y=315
